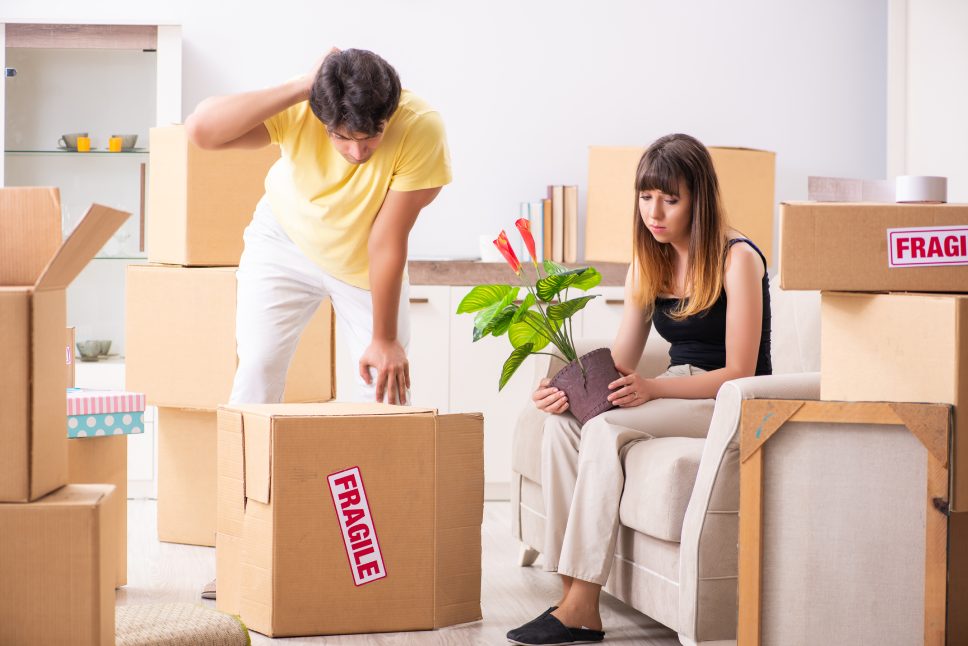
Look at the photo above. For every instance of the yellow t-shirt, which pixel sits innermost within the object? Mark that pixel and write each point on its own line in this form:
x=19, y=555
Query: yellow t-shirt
x=326, y=204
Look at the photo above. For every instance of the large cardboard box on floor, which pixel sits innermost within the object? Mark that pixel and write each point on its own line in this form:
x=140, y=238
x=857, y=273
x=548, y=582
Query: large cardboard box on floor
x=746, y=181
x=901, y=348
x=349, y=518
x=180, y=333
x=200, y=201
x=57, y=568
x=33, y=316
x=874, y=247
x=187, y=476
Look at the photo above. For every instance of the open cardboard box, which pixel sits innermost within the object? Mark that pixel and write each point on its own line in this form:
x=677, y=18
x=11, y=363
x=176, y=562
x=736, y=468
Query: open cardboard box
x=33, y=316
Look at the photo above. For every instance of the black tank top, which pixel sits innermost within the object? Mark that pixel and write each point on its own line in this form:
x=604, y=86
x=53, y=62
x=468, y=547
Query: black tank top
x=700, y=340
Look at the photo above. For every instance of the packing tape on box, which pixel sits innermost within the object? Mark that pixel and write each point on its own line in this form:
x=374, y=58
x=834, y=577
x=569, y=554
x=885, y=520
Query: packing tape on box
x=921, y=188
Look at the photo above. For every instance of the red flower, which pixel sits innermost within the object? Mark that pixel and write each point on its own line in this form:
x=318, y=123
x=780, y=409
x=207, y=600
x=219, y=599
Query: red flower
x=524, y=226
x=504, y=247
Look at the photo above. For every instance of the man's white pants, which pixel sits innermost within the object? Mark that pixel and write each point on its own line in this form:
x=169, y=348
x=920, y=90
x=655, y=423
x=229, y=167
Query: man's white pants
x=279, y=290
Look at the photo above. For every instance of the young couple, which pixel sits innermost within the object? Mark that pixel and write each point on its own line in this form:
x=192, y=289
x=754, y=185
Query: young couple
x=360, y=159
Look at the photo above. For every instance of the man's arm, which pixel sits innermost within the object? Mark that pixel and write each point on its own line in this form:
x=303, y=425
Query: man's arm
x=388, y=257
x=236, y=120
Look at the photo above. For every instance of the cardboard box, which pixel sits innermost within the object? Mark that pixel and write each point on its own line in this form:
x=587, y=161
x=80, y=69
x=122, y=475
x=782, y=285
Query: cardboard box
x=180, y=333
x=746, y=181
x=874, y=247
x=187, y=476
x=104, y=460
x=200, y=201
x=844, y=533
x=902, y=348
x=33, y=317
x=69, y=356
x=30, y=220
x=57, y=567
x=350, y=518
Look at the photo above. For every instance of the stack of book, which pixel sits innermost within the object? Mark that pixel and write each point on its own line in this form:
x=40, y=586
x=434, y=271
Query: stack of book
x=554, y=224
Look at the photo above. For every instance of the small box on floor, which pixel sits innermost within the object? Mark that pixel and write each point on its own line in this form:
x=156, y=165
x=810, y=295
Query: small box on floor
x=57, y=566
x=98, y=425
x=35, y=270
x=349, y=518
x=187, y=476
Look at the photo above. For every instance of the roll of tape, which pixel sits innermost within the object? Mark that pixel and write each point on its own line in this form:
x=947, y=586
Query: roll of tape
x=921, y=189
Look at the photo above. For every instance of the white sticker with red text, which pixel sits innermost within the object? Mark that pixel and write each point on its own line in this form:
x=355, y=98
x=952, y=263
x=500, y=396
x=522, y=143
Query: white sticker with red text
x=927, y=246
x=356, y=522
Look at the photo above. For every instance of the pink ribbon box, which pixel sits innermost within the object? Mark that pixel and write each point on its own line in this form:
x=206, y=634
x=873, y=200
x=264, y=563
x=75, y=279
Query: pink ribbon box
x=93, y=413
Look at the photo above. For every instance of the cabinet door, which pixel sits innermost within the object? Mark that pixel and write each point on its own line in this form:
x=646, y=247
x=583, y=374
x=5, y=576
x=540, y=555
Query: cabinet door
x=602, y=316
x=427, y=352
x=475, y=370
x=429, y=340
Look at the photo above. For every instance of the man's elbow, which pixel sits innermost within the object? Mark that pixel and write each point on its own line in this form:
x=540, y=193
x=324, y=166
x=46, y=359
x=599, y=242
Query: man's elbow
x=198, y=133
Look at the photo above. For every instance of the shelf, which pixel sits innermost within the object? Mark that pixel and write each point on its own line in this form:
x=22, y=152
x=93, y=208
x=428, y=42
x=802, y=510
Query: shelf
x=29, y=153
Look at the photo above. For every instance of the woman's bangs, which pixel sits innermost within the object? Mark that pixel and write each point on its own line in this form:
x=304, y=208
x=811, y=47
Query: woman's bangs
x=660, y=175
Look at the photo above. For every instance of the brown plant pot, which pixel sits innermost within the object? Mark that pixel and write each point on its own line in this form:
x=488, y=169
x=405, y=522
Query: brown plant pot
x=588, y=391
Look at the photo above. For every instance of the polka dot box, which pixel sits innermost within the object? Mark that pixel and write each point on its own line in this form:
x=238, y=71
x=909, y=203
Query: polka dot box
x=104, y=412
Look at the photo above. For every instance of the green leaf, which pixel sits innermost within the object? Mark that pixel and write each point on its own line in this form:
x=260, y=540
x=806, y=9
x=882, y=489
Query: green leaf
x=587, y=279
x=484, y=319
x=483, y=296
x=513, y=363
x=583, y=278
x=524, y=333
x=562, y=311
x=554, y=268
x=526, y=304
x=500, y=323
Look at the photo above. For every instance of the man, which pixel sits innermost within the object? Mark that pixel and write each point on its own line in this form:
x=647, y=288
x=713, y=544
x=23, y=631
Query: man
x=360, y=159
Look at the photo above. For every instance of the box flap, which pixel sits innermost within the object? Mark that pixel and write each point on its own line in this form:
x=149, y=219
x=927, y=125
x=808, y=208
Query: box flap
x=257, y=460
x=96, y=227
x=30, y=232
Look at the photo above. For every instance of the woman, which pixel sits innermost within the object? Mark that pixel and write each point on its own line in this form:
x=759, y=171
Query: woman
x=704, y=287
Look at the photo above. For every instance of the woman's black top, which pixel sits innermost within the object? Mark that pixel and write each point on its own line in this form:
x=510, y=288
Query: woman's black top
x=700, y=340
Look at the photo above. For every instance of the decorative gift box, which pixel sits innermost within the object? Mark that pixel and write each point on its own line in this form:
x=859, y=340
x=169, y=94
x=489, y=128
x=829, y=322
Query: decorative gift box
x=104, y=412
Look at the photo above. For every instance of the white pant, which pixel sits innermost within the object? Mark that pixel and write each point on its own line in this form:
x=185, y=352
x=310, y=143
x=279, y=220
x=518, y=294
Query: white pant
x=279, y=290
x=583, y=476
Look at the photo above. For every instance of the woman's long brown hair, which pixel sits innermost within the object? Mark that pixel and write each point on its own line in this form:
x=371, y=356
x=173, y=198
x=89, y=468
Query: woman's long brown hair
x=667, y=162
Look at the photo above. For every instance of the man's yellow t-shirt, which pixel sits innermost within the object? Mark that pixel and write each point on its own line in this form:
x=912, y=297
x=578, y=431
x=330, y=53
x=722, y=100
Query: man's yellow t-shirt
x=326, y=204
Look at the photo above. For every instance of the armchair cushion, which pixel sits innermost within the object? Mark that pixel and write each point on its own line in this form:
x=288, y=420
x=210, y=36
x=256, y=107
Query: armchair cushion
x=659, y=477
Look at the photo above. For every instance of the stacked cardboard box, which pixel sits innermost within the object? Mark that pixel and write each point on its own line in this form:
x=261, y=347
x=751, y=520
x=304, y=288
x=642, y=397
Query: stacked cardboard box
x=58, y=543
x=746, y=180
x=180, y=326
x=349, y=518
x=894, y=315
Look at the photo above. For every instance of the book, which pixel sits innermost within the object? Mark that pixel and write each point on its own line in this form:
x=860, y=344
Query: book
x=570, y=216
x=557, y=195
x=546, y=231
x=536, y=217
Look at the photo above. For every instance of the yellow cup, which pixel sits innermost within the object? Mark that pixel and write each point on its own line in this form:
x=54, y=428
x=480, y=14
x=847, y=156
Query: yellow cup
x=83, y=144
x=114, y=144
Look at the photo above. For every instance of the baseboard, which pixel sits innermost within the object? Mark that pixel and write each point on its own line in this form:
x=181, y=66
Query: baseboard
x=497, y=491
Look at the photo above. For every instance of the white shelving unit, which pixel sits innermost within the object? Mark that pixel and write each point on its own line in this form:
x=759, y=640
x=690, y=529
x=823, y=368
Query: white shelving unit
x=103, y=80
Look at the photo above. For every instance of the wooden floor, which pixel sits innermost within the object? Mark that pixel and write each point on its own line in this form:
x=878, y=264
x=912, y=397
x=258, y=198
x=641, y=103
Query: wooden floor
x=159, y=572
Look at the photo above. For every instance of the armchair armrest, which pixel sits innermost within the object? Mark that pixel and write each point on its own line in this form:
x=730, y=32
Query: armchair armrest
x=709, y=559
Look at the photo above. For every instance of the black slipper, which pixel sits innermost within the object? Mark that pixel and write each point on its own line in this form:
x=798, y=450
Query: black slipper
x=547, y=630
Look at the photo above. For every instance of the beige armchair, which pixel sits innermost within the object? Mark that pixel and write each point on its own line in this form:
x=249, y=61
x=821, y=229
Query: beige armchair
x=676, y=557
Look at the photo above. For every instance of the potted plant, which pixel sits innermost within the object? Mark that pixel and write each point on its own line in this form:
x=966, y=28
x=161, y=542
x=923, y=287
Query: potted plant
x=543, y=318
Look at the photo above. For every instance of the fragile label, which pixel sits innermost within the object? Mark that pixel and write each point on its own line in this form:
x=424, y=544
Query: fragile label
x=927, y=246
x=356, y=523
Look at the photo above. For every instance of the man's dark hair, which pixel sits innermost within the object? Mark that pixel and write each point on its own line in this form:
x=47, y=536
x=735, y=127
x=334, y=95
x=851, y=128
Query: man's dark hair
x=355, y=89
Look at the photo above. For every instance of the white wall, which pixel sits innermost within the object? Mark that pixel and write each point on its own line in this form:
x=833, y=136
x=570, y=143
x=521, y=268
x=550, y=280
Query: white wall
x=526, y=87
x=936, y=124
